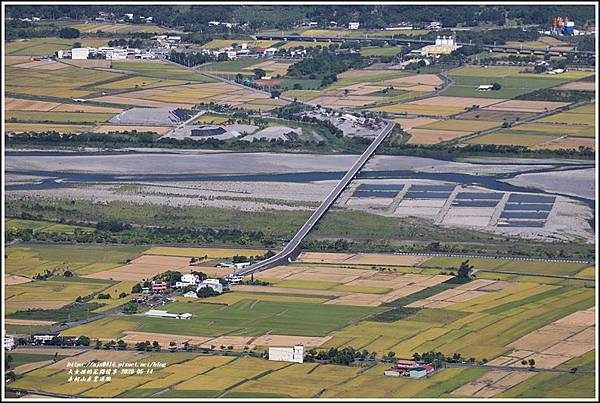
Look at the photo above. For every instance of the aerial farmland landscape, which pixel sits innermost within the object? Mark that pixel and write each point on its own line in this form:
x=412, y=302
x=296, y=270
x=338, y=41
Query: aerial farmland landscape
x=303, y=201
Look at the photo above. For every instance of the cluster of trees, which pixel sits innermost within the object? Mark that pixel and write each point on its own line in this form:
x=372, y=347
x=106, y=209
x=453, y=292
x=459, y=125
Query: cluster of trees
x=437, y=359
x=147, y=346
x=68, y=341
x=131, y=43
x=344, y=356
x=196, y=17
x=43, y=276
x=326, y=65
x=549, y=94
x=191, y=59
x=111, y=344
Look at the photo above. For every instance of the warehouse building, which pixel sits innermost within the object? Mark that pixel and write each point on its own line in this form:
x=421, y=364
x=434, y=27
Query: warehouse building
x=288, y=354
x=154, y=313
x=80, y=53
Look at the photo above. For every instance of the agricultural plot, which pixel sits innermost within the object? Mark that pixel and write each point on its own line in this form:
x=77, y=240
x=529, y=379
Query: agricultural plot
x=42, y=127
x=186, y=375
x=245, y=318
x=44, y=226
x=512, y=81
x=432, y=131
x=80, y=259
x=556, y=268
x=160, y=70
x=143, y=267
x=50, y=294
x=69, y=82
x=210, y=253
x=550, y=346
x=185, y=96
x=47, y=46
x=59, y=117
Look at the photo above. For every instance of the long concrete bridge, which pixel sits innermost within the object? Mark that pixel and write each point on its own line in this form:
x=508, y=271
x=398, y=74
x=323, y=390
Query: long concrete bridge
x=422, y=42
x=292, y=248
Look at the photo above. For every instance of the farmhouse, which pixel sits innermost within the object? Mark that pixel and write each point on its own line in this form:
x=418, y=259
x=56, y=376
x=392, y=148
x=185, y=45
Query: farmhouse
x=353, y=25
x=421, y=372
x=9, y=342
x=159, y=286
x=211, y=283
x=485, y=87
x=187, y=280
x=289, y=354
x=190, y=294
x=42, y=338
x=154, y=313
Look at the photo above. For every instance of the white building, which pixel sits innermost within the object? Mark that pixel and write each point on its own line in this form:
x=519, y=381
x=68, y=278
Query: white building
x=289, y=354
x=154, y=313
x=211, y=283
x=233, y=279
x=187, y=280
x=354, y=25
x=485, y=87
x=9, y=342
x=444, y=45
x=241, y=265
x=270, y=51
x=43, y=338
x=231, y=55
x=190, y=294
x=80, y=53
x=116, y=54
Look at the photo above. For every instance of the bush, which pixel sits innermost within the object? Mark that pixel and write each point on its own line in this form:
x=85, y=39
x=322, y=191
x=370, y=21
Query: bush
x=69, y=33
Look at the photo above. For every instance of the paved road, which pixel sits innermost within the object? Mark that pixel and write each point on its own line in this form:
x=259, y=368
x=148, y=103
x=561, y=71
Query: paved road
x=291, y=250
x=412, y=40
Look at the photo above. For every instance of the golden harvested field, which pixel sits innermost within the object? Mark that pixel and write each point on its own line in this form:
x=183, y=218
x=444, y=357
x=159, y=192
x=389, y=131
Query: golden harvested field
x=323, y=257
x=86, y=108
x=508, y=138
x=567, y=142
x=425, y=136
x=123, y=128
x=271, y=66
x=27, y=322
x=578, y=86
x=430, y=80
x=42, y=64
x=409, y=123
x=41, y=127
x=550, y=346
x=212, y=253
x=460, y=125
x=567, y=118
x=143, y=267
x=89, y=63
x=126, y=100
x=462, y=102
x=351, y=286
x=526, y=106
x=13, y=279
x=16, y=104
x=22, y=369
x=425, y=110
x=48, y=294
